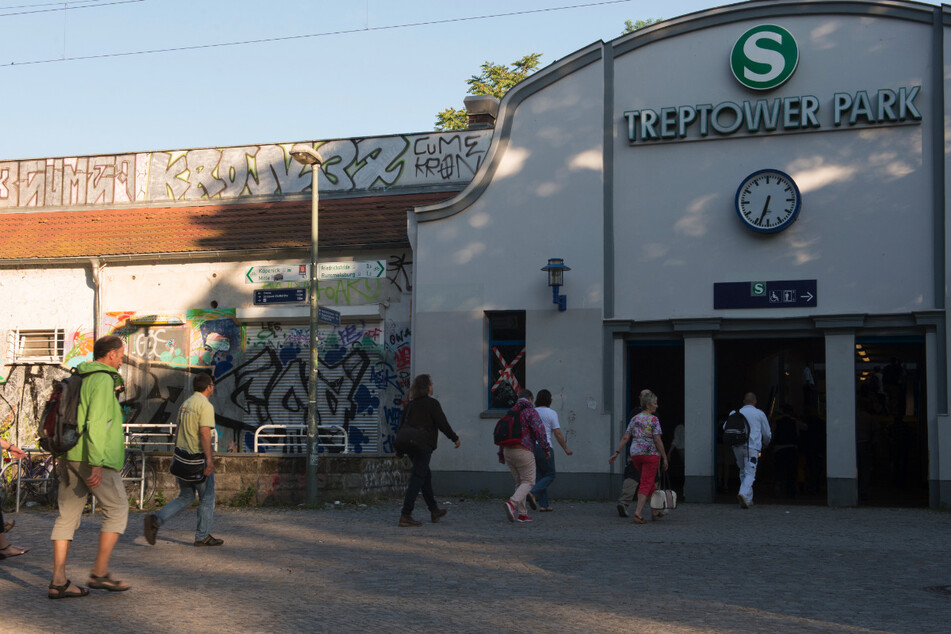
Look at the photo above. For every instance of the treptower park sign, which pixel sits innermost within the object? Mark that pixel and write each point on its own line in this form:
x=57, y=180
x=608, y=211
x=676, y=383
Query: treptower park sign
x=762, y=59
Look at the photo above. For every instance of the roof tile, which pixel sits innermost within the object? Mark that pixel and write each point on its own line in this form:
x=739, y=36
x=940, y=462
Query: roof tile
x=344, y=222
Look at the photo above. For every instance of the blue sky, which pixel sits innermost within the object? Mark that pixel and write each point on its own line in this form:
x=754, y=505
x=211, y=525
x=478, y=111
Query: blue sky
x=367, y=76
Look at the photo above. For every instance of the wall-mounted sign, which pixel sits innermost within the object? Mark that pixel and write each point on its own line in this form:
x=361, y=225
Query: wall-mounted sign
x=763, y=58
x=780, y=294
x=277, y=273
x=265, y=297
x=351, y=270
x=328, y=315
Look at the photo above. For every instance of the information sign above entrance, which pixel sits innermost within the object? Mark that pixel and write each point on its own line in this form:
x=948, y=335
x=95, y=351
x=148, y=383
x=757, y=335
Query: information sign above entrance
x=780, y=294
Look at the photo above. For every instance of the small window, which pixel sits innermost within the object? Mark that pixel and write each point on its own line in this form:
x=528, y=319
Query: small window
x=506, y=357
x=37, y=346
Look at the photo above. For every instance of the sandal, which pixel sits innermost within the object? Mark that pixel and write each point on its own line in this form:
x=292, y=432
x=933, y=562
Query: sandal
x=638, y=520
x=546, y=509
x=8, y=526
x=60, y=591
x=16, y=552
x=105, y=582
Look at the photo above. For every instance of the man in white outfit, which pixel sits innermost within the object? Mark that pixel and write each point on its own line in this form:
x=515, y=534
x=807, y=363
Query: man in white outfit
x=747, y=454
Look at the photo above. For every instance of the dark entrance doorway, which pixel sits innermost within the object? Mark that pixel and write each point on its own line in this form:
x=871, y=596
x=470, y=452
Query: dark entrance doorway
x=891, y=429
x=659, y=367
x=788, y=377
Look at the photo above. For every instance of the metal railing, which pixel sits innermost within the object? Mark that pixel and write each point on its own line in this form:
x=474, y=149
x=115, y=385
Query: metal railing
x=293, y=439
x=155, y=436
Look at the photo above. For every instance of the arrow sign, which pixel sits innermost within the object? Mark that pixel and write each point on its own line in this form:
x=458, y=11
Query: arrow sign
x=277, y=273
x=779, y=294
x=351, y=270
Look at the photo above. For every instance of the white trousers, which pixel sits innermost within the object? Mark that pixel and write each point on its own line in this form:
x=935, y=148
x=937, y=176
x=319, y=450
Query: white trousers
x=746, y=461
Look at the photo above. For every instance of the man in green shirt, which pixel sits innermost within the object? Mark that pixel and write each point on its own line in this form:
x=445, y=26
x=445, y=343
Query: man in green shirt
x=93, y=466
x=196, y=424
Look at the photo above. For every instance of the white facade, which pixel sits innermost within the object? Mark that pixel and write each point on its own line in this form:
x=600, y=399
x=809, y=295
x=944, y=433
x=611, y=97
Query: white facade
x=649, y=227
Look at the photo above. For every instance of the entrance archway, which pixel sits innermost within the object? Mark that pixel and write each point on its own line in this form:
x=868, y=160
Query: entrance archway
x=788, y=377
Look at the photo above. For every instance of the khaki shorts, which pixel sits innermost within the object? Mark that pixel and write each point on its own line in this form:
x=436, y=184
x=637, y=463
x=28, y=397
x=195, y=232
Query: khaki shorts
x=73, y=491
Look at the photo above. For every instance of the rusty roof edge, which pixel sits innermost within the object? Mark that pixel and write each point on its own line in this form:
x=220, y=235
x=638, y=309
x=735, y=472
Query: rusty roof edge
x=195, y=256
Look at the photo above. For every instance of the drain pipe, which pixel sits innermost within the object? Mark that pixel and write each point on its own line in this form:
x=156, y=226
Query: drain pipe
x=96, y=265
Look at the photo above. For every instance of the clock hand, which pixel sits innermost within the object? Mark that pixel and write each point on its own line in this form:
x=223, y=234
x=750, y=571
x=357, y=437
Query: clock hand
x=765, y=209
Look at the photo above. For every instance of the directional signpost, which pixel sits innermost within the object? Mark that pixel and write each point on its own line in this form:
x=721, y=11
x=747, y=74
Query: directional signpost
x=277, y=273
x=351, y=270
x=781, y=294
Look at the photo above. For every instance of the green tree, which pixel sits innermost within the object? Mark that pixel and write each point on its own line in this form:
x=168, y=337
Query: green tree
x=630, y=26
x=494, y=80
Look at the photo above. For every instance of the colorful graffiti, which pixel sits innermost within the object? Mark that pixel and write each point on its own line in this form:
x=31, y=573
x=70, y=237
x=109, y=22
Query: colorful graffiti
x=367, y=164
x=261, y=370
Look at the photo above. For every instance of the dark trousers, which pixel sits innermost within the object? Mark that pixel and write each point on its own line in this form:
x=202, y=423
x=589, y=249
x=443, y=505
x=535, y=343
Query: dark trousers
x=420, y=479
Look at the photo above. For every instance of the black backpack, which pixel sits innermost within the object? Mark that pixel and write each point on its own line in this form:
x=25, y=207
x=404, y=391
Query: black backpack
x=737, y=430
x=58, y=425
x=508, y=431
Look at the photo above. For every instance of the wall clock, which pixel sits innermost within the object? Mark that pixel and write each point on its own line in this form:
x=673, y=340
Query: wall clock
x=768, y=201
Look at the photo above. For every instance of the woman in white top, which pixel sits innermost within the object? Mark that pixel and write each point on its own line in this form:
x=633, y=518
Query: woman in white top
x=545, y=467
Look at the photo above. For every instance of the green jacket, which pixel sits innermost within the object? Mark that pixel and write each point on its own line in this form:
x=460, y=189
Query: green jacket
x=102, y=439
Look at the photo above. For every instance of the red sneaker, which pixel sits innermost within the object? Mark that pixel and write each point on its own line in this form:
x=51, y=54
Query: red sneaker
x=524, y=518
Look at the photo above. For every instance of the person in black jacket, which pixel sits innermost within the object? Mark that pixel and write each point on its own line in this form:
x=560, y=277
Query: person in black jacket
x=416, y=437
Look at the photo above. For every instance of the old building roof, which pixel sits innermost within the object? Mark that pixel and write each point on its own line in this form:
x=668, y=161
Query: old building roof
x=344, y=222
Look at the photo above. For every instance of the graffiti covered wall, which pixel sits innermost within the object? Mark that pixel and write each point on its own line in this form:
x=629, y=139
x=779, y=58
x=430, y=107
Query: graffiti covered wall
x=260, y=366
x=216, y=174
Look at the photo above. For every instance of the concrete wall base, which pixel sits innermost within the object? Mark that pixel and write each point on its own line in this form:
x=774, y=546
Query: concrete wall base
x=258, y=480
x=843, y=491
x=700, y=489
x=939, y=494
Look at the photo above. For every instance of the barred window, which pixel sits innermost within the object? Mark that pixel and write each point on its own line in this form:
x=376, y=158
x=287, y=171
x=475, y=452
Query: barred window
x=37, y=346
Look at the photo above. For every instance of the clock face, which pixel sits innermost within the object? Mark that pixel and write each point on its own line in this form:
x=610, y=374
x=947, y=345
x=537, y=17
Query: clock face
x=768, y=201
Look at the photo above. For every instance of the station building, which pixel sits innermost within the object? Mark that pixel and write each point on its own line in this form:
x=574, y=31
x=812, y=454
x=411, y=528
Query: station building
x=750, y=198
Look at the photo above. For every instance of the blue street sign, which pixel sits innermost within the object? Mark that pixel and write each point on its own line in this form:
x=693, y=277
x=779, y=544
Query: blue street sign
x=280, y=296
x=781, y=294
x=328, y=316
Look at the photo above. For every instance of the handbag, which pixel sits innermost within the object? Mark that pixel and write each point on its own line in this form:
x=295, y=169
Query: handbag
x=408, y=436
x=664, y=498
x=187, y=466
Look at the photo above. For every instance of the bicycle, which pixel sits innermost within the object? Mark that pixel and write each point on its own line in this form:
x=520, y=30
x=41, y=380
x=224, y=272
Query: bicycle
x=133, y=472
x=37, y=479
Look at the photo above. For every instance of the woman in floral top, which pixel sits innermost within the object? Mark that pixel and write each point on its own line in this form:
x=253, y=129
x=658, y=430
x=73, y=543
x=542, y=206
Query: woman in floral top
x=647, y=451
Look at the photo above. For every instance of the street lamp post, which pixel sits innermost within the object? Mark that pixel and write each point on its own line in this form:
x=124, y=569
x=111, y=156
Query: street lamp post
x=305, y=154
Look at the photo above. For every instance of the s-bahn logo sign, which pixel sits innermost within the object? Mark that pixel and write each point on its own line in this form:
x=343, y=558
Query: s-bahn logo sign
x=764, y=57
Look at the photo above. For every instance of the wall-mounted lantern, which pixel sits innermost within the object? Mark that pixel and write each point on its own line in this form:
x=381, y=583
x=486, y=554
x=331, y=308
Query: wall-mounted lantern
x=556, y=278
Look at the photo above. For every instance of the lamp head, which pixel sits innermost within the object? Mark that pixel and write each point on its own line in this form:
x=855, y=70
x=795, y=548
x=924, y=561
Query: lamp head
x=556, y=271
x=305, y=154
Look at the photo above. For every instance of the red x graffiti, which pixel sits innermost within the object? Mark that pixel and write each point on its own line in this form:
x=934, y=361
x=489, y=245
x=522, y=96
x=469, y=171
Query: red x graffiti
x=508, y=374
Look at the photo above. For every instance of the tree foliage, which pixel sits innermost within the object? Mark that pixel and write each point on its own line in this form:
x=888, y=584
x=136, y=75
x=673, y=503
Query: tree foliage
x=630, y=25
x=495, y=80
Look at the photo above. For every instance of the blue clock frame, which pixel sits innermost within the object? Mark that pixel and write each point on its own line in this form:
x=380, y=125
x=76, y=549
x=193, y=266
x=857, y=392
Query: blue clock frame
x=786, y=223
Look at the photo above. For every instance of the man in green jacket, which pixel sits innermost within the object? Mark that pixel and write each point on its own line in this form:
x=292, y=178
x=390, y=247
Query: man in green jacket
x=93, y=466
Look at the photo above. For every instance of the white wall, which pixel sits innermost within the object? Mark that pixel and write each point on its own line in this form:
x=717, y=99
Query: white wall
x=544, y=201
x=864, y=231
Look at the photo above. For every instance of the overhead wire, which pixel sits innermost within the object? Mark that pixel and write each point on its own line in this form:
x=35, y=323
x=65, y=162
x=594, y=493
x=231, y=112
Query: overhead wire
x=55, y=7
x=287, y=38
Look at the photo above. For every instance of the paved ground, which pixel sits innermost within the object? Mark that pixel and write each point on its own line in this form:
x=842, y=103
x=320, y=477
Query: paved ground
x=703, y=568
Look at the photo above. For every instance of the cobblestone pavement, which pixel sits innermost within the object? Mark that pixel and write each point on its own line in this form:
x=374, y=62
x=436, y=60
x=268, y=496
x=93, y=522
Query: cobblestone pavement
x=702, y=568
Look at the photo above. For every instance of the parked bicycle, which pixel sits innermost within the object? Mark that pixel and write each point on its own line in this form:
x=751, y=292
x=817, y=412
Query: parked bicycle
x=138, y=475
x=37, y=478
